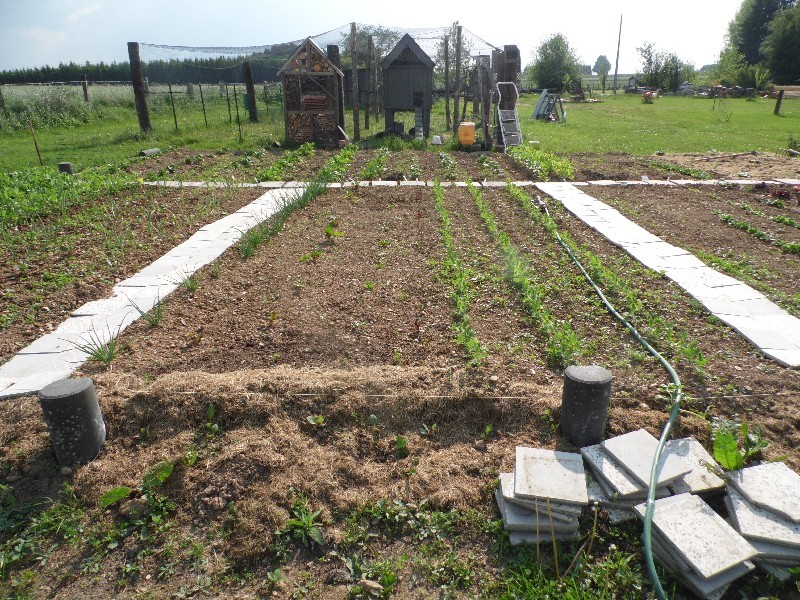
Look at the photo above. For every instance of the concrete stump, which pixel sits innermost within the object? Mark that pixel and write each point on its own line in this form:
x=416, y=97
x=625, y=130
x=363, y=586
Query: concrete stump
x=73, y=417
x=65, y=167
x=584, y=404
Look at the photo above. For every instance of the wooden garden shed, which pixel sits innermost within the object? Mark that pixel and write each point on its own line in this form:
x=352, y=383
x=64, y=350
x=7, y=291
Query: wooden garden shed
x=313, y=93
x=408, y=83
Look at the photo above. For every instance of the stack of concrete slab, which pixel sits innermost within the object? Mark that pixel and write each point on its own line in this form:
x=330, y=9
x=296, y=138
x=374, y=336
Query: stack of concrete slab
x=542, y=499
x=698, y=545
x=621, y=468
x=764, y=505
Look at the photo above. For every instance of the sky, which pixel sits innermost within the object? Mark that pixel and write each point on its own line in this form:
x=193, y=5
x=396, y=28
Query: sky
x=34, y=33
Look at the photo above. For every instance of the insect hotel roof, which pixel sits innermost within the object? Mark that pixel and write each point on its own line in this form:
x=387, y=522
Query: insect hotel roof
x=313, y=96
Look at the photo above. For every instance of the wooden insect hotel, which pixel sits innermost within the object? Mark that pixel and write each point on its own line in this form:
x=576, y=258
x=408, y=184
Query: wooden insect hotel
x=313, y=91
x=408, y=83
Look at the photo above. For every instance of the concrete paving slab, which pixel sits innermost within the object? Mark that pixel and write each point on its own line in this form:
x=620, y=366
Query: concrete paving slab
x=608, y=469
x=413, y=183
x=603, y=182
x=773, y=486
x=23, y=366
x=699, y=535
x=516, y=538
x=789, y=181
x=767, y=339
x=271, y=184
x=564, y=513
x=526, y=183
x=635, y=451
x=384, y=183
x=493, y=184
x=101, y=307
x=705, y=474
x=757, y=523
x=776, y=552
x=29, y=385
x=516, y=518
x=541, y=473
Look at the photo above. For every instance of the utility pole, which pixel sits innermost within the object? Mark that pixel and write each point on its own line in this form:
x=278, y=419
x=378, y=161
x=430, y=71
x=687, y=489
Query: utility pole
x=616, y=66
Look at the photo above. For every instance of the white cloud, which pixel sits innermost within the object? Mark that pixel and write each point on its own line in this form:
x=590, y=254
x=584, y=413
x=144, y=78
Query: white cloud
x=76, y=15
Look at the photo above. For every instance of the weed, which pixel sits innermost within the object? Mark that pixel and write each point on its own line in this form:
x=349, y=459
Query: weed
x=397, y=357
x=735, y=445
x=332, y=229
x=315, y=420
x=489, y=166
x=311, y=256
x=448, y=165
x=150, y=510
x=190, y=283
x=99, y=348
x=152, y=317
x=369, y=285
x=400, y=447
x=304, y=526
x=216, y=270
x=428, y=431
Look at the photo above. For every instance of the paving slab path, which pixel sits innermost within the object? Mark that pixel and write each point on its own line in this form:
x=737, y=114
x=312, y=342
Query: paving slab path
x=762, y=322
x=58, y=354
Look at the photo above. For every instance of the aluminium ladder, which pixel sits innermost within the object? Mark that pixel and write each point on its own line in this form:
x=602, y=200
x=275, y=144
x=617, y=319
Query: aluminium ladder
x=506, y=117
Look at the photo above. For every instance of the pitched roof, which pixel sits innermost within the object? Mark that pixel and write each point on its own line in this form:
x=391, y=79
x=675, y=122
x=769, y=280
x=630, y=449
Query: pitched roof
x=308, y=46
x=407, y=42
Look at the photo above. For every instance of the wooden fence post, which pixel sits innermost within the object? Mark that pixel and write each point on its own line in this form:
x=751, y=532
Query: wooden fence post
x=336, y=59
x=354, y=72
x=778, y=103
x=458, y=80
x=370, y=89
x=142, y=112
x=2, y=100
x=251, y=92
x=85, y=85
x=448, y=123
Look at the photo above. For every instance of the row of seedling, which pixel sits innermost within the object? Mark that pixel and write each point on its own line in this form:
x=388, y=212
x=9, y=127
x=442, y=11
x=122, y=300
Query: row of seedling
x=788, y=247
x=782, y=219
x=541, y=164
x=460, y=289
x=334, y=170
x=284, y=167
x=626, y=297
x=562, y=344
x=375, y=166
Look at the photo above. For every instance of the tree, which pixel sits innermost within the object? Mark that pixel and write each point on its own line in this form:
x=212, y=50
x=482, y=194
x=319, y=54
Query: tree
x=602, y=66
x=555, y=63
x=750, y=26
x=781, y=47
x=663, y=70
x=384, y=41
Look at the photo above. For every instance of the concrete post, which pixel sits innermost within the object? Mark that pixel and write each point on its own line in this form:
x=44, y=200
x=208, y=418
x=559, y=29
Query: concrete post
x=73, y=417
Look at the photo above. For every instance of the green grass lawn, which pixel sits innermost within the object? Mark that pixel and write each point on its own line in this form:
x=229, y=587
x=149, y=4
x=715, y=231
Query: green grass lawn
x=617, y=124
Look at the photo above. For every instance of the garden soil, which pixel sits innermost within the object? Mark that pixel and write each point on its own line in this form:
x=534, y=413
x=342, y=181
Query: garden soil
x=320, y=352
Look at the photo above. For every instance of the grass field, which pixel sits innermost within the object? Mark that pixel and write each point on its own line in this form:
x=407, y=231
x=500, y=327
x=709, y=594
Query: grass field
x=106, y=130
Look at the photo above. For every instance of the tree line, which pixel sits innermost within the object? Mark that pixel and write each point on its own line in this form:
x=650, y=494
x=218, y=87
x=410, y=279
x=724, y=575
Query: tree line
x=198, y=70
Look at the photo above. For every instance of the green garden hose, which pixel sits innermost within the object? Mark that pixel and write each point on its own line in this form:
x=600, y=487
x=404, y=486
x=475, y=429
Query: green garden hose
x=676, y=406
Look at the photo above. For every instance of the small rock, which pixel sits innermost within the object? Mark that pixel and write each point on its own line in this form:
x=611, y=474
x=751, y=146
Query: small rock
x=494, y=379
x=373, y=587
x=65, y=471
x=644, y=406
x=338, y=577
x=133, y=508
x=13, y=477
x=218, y=503
x=480, y=446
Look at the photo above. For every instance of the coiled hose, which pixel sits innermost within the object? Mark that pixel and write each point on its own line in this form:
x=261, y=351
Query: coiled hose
x=647, y=536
